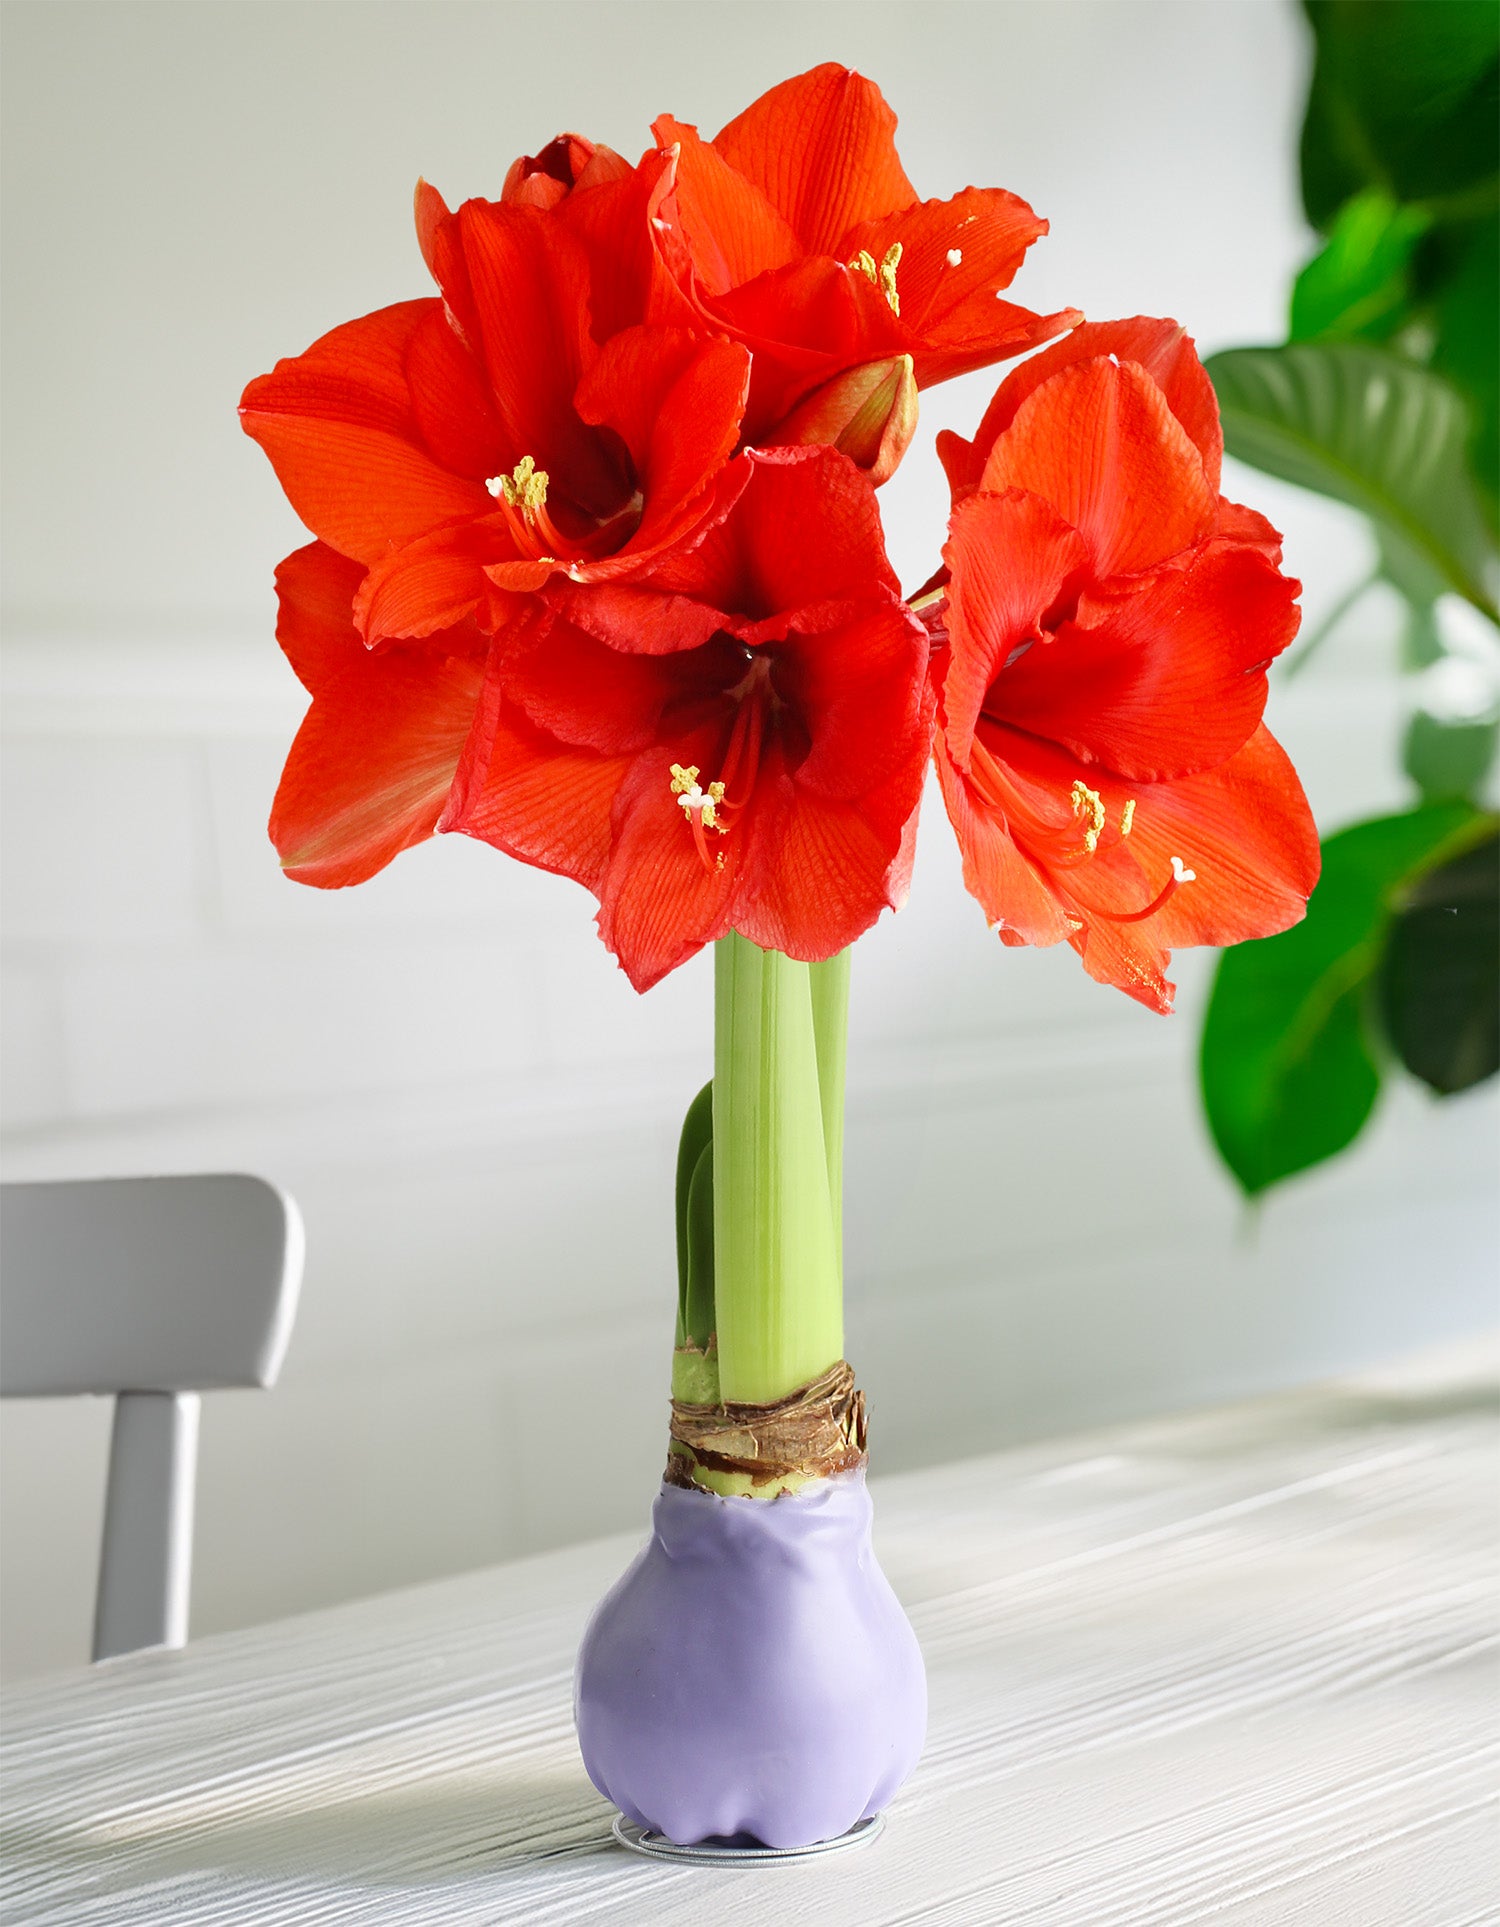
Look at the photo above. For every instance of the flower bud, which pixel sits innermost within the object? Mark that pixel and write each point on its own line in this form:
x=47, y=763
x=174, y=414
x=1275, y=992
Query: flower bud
x=544, y=179
x=867, y=413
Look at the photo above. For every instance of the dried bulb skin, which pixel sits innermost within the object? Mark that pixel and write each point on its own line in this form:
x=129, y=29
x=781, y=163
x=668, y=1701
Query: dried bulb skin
x=752, y=1674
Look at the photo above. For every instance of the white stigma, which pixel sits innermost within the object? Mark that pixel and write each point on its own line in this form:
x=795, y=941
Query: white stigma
x=955, y=255
x=1180, y=872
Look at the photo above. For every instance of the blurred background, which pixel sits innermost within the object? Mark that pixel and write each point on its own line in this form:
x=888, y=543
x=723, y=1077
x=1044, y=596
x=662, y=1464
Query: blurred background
x=476, y=1113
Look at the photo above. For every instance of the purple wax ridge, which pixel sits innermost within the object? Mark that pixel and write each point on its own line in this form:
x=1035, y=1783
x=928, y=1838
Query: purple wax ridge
x=752, y=1675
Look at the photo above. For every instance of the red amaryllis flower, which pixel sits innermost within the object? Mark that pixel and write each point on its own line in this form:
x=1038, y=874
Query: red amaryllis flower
x=370, y=770
x=1110, y=622
x=760, y=771
x=807, y=242
x=466, y=449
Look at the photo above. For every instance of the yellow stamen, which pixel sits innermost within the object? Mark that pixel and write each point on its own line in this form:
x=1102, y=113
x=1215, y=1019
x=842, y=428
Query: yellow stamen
x=883, y=273
x=1127, y=817
x=525, y=488
x=1086, y=802
x=691, y=798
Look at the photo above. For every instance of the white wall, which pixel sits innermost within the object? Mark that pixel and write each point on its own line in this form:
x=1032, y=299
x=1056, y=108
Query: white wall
x=476, y=1112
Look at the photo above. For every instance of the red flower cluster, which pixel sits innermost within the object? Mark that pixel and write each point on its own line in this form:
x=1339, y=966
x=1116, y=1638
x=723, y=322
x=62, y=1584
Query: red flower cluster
x=600, y=577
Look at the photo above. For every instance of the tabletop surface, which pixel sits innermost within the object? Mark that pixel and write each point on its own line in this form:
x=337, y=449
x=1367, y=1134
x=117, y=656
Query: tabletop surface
x=1236, y=1666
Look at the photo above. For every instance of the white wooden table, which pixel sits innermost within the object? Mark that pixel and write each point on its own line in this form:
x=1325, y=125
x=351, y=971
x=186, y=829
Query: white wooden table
x=1232, y=1667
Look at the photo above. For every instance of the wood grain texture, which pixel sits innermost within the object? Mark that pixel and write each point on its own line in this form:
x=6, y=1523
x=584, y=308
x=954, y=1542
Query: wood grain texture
x=1238, y=1666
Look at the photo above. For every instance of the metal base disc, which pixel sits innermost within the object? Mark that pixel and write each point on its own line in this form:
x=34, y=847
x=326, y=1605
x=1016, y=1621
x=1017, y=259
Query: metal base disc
x=724, y=1853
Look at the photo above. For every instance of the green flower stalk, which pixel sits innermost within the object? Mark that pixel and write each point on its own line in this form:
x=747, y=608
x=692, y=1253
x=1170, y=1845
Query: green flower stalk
x=759, y=1228
x=778, y=1285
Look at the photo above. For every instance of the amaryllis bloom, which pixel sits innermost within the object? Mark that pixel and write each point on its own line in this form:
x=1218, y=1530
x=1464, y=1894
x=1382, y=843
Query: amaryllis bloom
x=806, y=241
x=1109, y=624
x=760, y=771
x=465, y=449
x=374, y=760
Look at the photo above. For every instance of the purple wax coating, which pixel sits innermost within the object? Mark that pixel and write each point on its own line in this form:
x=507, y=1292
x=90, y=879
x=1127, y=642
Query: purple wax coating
x=752, y=1673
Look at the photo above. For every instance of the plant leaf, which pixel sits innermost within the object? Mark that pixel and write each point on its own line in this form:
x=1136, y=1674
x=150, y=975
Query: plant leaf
x=698, y=1304
x=1464, y=269
x=697, y=1131
x=1404, y=97
x=1360, y=282
x=1440, y=978
x=1448, y=759
x=1372, y=430
x=1287, y=1069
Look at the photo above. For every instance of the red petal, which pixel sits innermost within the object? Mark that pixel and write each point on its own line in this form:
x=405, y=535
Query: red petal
x=450, y=400
x=659, y=903
x=1243, y=830
x=982, y=333
x=315, y=591
x=861, y=692
x=429, y=584
x=372, y=765
x=949, y=308
x=989, y=229
x=531, y=284
x=1240, y=524
x=1099, y=443
x=963, y=463
x=338, y=425
x=1162, y=348
x=628, y=617
x=804, y=324
x=638, y=267
x=533, y=798
x=806, y=531
x=1246, y=831
x=1162, y=676
x=604, y=616
x=822, y=150
x=541, y=180
x=1010, y=891
x=442, y=249
x=1011, y=557
x=832, y=870
x=733, y=233
x=676, y=402
x=584, y=693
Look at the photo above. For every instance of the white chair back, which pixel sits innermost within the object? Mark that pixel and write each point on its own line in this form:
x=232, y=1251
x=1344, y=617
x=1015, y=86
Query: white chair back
x=154, y=1290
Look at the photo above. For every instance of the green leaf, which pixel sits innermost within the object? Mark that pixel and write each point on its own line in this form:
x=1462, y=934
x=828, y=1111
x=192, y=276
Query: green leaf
x=1403, y=97
x=697, y=1132
x=1448, y=759
x=1372, y=430
x=1440, y=978
x=1288, y=1073
x=1421, y=639
x=1360, y=282
x=698, y=1318
x=1463, y=267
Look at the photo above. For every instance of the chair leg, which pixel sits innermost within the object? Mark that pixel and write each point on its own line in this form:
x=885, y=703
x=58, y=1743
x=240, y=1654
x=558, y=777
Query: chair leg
x=146, y=1564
